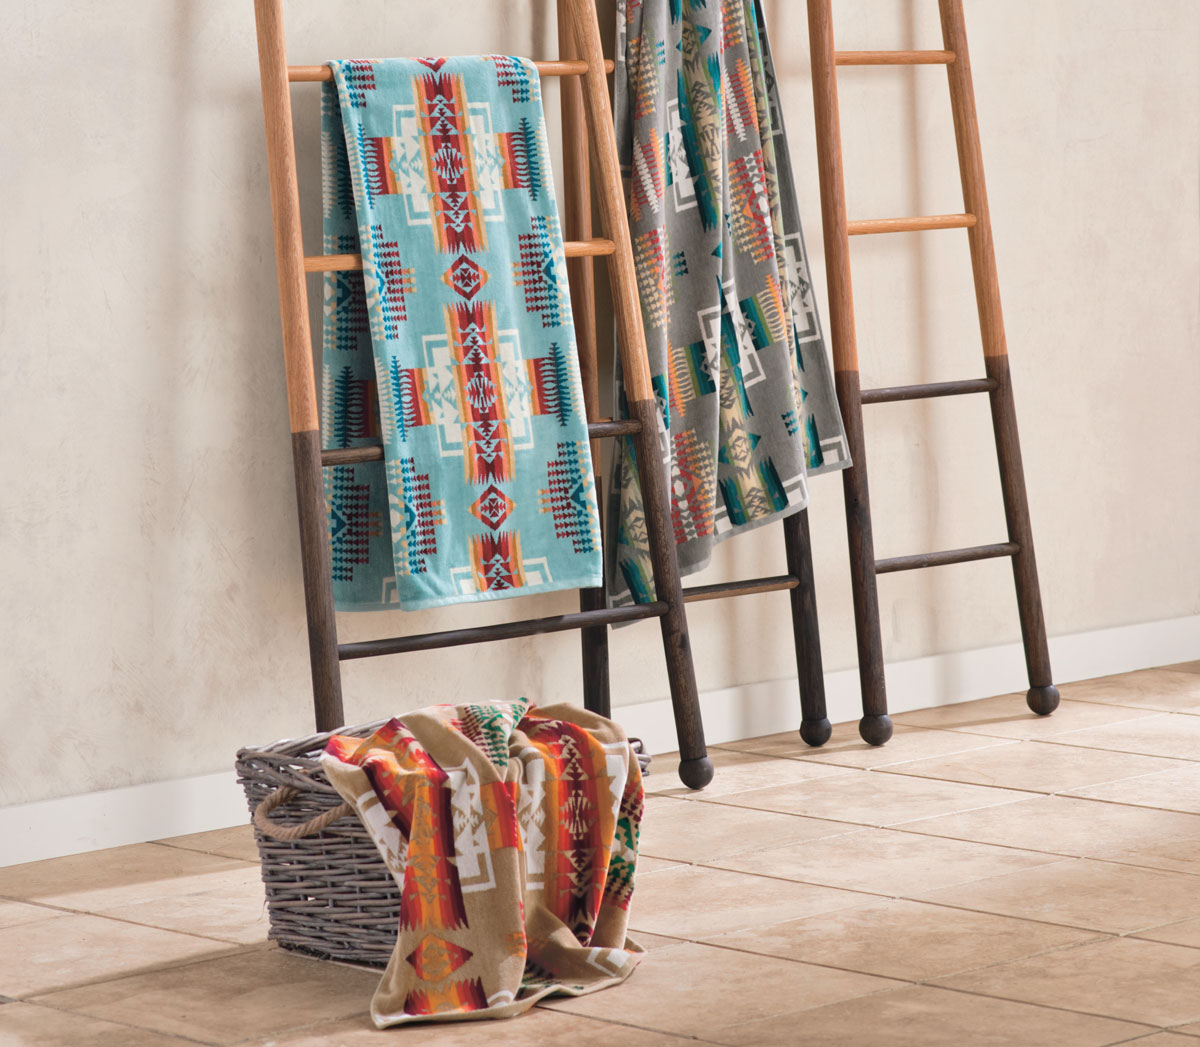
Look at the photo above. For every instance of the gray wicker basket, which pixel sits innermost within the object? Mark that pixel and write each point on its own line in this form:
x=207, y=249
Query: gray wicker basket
x=328, y=892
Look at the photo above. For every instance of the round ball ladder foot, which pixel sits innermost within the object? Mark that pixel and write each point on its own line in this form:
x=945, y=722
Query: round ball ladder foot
x=1042, y=700
x=816, y=732
x=696, y=774
x=875, y=730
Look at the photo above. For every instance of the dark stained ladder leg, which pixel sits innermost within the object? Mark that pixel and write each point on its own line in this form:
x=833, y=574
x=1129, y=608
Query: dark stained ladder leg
x=1042, y=696
x=317, y=568
x=814, y=725
x=695, y=768
x=875, y=726
x=594, y=644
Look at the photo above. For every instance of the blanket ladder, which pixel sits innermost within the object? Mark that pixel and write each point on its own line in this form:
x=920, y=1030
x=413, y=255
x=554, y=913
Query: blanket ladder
x=1042, y=697
x=326, y=653
x=798, y=580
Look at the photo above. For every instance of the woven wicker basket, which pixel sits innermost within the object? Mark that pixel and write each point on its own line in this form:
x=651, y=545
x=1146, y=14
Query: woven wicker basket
x=328, y=892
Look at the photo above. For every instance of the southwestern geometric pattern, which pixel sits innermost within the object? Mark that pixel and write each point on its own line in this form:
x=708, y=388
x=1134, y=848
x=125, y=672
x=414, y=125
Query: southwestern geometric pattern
x=512, y=833
x=567, y=500
x=736, y=352
x=454, y=347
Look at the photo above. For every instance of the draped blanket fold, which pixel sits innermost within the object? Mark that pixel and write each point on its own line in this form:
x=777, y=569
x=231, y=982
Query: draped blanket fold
x=511, y=832
x=454, y=347
x=736, y=352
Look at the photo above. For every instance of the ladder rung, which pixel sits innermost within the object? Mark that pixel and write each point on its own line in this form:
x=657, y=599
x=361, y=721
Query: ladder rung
x=351, y=455
x=309, y=74
x=720, y=590
x=893, y=57
x=342, y=263
x=910, y=225
x=502, y=631
x=610, y=427
x=893, y=393
x=374, y=452
x=977, y=552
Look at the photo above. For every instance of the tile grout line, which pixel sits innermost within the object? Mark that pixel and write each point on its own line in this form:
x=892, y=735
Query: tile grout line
x=1151, y=1027
x=256, y=1037
x=924, y=901
x=38, y=995
x=1100, y=936
x=117, y=1021
x=1003, y=738
x=620, y=1024
x=904, y=826
x=713, y=864
x=1065, y=794
x=193, y=850
x=723, y=802
x=63, y=910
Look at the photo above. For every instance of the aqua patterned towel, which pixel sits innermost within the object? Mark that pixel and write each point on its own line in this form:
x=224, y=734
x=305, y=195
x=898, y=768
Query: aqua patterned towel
x=736, y=352
x=455, y=346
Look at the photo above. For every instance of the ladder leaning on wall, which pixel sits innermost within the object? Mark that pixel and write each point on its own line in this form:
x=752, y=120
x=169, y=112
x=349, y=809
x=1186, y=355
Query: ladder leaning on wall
x=797, y=580
x=1042, y=697
x=309, y=459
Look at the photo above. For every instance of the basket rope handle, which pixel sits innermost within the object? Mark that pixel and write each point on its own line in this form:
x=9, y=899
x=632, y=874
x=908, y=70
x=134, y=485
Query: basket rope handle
x=315, y=824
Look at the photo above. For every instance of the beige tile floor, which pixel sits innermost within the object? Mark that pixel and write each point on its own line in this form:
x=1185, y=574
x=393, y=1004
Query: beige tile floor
x=986, y=879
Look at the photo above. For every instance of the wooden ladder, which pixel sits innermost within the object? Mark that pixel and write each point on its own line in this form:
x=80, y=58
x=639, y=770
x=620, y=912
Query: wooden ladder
x=326, y=653
x=1042, y=697
x=798, y=580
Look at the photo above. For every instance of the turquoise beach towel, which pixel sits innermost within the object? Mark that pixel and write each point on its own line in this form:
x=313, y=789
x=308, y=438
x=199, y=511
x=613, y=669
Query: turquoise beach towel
x=455, y=346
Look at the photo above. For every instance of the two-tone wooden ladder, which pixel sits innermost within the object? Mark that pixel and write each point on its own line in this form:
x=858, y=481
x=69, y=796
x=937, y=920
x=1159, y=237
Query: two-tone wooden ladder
x=797, y=581
x=309, y=459
x=1042, y=697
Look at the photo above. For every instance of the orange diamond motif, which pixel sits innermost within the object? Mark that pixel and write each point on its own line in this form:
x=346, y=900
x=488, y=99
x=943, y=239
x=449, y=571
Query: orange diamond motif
x=465, y=277
x=435, y=959
x=492, y=507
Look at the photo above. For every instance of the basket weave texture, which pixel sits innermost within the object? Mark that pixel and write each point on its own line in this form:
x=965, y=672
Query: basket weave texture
x=329, y=894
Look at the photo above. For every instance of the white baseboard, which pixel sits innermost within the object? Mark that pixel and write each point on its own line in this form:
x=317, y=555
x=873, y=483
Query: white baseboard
x=751, y=710
x=92, y=821
x=73, y=824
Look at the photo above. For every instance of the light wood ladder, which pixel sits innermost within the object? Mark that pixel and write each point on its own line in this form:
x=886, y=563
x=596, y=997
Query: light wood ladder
x=326, y=654
x=1042, y=697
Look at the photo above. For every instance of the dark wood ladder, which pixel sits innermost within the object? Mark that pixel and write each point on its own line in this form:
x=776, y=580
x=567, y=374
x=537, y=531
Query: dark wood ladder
x=326, y=654
x=1042, y=697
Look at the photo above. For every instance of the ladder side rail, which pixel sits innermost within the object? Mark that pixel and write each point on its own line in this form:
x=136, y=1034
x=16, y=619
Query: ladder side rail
x=875, y=726
x=815, y=728
x=1042, y=696
x=303, y=415
x=695, y=768
x=581, y=273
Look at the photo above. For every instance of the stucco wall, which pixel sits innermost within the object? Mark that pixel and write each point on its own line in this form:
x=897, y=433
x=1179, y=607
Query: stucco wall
x=153, y=611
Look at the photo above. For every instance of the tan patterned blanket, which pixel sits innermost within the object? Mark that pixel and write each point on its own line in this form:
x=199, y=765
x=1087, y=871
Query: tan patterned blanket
x=512, y=834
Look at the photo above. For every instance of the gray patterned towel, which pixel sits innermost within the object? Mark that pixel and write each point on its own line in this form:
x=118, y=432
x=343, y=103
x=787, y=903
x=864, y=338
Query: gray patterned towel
x=736, y=351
